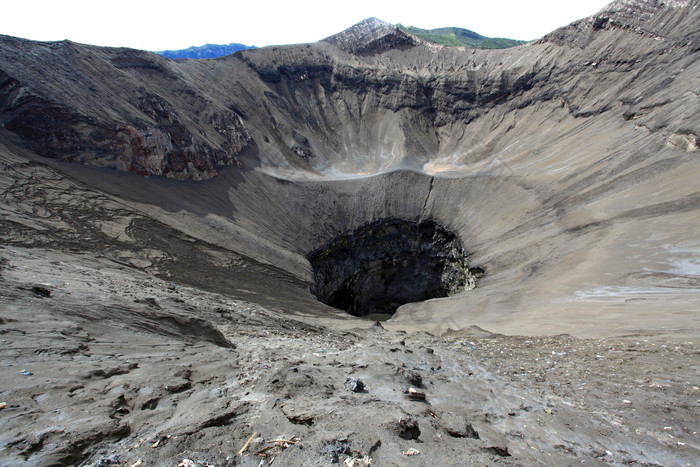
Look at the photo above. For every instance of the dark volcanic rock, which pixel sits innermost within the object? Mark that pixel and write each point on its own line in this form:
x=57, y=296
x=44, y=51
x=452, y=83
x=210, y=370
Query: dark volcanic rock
x=381, y=266
x=354, y=385
x=406, y=428
x=124, y=123
x=457, y=426
x=413, y=377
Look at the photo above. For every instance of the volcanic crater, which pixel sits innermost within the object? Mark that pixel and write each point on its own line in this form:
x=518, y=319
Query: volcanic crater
x=548, y=161
x=383, y=265
x=196, y=252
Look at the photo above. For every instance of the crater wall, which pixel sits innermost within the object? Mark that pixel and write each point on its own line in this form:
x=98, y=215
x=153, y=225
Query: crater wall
x=567, y=166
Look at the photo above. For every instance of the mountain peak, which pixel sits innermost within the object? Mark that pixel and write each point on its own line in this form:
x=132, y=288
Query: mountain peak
x=371, y=36
x=205, y=51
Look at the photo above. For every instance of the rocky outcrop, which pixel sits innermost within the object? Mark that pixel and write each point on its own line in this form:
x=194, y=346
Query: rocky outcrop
x=381, y=266
x=370, y=99
x=373, y=36
x=658, y=20
x=78, y=117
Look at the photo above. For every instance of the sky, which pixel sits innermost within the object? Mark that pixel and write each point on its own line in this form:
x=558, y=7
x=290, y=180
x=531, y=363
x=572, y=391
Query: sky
x=160, y=25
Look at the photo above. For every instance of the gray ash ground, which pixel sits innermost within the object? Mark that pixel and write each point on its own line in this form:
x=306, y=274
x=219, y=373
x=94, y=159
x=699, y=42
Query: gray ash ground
x=123, y=371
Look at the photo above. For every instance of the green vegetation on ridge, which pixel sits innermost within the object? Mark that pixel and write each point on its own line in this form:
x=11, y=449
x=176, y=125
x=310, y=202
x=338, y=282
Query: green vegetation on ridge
x=460, y=37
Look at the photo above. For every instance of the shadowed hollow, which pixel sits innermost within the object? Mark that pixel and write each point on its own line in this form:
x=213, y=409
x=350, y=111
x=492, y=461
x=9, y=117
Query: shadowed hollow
x=382, y=265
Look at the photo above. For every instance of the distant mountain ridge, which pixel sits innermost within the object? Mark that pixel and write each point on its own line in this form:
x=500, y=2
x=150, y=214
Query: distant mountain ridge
x=460, y=37
x=444, y=36
x=205, y=51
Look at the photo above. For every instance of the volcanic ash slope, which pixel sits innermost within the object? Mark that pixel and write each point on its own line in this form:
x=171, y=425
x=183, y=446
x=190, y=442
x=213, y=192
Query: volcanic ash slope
x=567, y=166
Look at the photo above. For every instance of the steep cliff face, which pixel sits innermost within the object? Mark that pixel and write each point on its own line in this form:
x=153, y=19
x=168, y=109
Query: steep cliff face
x=383, y=265
x=368, y=100
x=566, y=167
x=117, y=108
x=375, y=101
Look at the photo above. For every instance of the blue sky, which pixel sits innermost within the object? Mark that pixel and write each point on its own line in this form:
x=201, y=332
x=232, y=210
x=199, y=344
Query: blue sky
x=158, y=25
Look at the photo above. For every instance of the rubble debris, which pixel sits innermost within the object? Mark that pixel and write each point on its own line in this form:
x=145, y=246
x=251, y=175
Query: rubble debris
x=406, y=428
x=415, y=395
x=497, y=450
x=334, y=448
x=413, y=377
x=355, y=385
x=108, y=461
x=457, y=426
x=357, y=462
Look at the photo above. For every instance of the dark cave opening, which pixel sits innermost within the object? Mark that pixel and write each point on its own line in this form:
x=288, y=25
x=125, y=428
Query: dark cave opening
x=385, y=264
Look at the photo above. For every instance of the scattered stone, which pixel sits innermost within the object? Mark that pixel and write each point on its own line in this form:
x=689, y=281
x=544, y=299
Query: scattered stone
x=357, y=462
x=354, y=385
x=406, y=428
x=497, y=450
x=335, y=448
x=415, y=395
x=41, y=291
x=413, y=377
x=457, y=426
x=108, y=461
